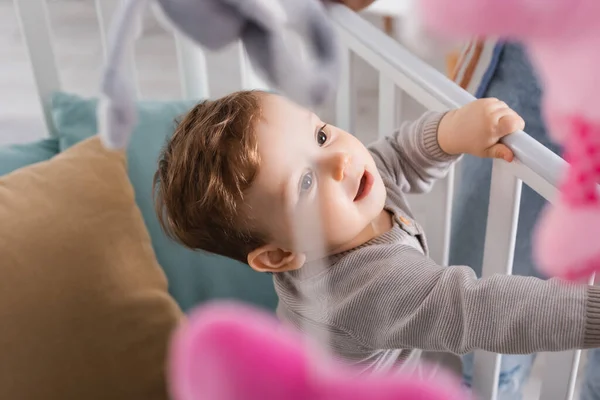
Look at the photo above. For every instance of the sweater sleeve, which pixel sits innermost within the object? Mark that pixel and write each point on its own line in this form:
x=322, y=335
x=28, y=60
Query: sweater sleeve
x=419, y=304
x=412, y=157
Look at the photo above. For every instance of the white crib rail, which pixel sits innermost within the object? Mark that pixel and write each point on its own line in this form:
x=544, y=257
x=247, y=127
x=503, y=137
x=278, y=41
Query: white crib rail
x=537, y=166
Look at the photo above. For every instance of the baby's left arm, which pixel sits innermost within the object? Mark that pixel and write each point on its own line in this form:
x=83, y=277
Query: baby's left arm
x=406, y=301
x=421, y=152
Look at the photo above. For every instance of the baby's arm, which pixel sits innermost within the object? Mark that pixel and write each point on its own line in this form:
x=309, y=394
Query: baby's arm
x=421, y=152
x=412, y=156
x=415, y=303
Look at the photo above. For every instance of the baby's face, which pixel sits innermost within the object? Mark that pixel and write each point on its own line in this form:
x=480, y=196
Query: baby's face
x=311, y=170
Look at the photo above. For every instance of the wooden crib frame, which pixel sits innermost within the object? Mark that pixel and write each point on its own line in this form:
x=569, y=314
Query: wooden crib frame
x=537, y=166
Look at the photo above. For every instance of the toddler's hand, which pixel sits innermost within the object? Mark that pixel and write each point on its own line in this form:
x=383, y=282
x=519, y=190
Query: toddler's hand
x=477, y=128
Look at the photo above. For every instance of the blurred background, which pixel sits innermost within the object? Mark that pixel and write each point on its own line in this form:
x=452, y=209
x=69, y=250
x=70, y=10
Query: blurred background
x=79, y=55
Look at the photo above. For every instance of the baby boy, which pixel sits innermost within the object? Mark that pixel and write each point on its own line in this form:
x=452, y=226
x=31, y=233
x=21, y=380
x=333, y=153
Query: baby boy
x=242, y=174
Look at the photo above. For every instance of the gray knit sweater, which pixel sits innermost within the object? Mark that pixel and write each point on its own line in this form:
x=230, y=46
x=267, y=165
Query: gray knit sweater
x=382, y=300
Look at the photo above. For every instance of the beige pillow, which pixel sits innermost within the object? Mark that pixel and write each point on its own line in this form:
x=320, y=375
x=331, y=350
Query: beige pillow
x=84, y=307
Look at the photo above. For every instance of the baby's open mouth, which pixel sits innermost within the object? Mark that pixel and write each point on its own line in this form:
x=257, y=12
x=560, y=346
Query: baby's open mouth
x=366, y=182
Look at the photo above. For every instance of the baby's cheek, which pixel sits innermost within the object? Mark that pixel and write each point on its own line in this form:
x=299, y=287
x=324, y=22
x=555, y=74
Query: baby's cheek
x=330, y=220
x=307, y=228
x=335, y=208
x=340, y=224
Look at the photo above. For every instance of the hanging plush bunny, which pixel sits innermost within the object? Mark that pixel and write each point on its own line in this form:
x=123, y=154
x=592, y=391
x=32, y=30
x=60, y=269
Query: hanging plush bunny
x=214, y=24
x=230, y=351
x=563, y=40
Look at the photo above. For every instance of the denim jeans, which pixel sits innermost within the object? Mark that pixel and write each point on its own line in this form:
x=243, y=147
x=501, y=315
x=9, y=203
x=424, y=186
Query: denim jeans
x=512, y=80
x=514, y=371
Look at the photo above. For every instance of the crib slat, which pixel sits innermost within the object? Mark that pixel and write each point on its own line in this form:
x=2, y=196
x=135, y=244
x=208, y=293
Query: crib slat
x=560, y=375
x=344, y=103
x=443, y=196
x=560, y=372
x=500, y=236
x=35, y=27
x=486, y=370
x=372, y=55
x=105, y=10
x=387, y=106
x=193, y=71
x=438, y=204
x=433, y=210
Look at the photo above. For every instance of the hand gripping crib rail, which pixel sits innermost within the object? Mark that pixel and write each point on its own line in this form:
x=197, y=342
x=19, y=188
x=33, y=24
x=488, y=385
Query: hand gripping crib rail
x=537, y=166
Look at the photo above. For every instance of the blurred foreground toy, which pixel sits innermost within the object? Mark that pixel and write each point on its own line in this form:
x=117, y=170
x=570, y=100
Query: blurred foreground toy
x=230, y=351
x=563, y=40
x=260, y=25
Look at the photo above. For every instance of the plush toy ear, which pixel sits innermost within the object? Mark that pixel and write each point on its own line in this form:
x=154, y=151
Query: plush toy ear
x=117, y=115
x=261, y=25
x=229, y=351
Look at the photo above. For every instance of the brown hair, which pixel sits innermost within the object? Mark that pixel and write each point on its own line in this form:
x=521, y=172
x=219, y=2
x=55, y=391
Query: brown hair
x=204, y=170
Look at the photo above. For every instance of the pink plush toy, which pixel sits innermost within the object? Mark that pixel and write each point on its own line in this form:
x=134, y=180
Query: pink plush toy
x=563, y=40
x=233, y=352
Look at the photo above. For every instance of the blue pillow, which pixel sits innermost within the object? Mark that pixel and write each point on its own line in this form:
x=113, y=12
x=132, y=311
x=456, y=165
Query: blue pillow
x=15, y=156
x=194, y=277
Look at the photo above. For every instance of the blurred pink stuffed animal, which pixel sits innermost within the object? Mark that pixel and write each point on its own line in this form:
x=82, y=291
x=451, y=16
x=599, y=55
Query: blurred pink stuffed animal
x=233, y=352
x=563, y=40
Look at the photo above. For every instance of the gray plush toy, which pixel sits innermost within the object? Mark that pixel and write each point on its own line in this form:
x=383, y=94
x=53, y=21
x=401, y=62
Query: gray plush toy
x=214, y=24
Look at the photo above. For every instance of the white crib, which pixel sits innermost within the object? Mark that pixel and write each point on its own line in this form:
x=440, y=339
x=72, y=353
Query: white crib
x=401, y=75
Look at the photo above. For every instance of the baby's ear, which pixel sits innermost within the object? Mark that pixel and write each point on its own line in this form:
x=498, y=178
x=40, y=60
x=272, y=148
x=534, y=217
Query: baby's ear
x=270, y=258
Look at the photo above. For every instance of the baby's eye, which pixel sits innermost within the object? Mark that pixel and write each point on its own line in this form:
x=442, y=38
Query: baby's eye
x=322, y=136
x=306, y=182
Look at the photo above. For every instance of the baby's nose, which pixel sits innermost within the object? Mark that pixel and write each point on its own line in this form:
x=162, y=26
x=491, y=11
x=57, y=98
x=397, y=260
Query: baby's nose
x=340, y=162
